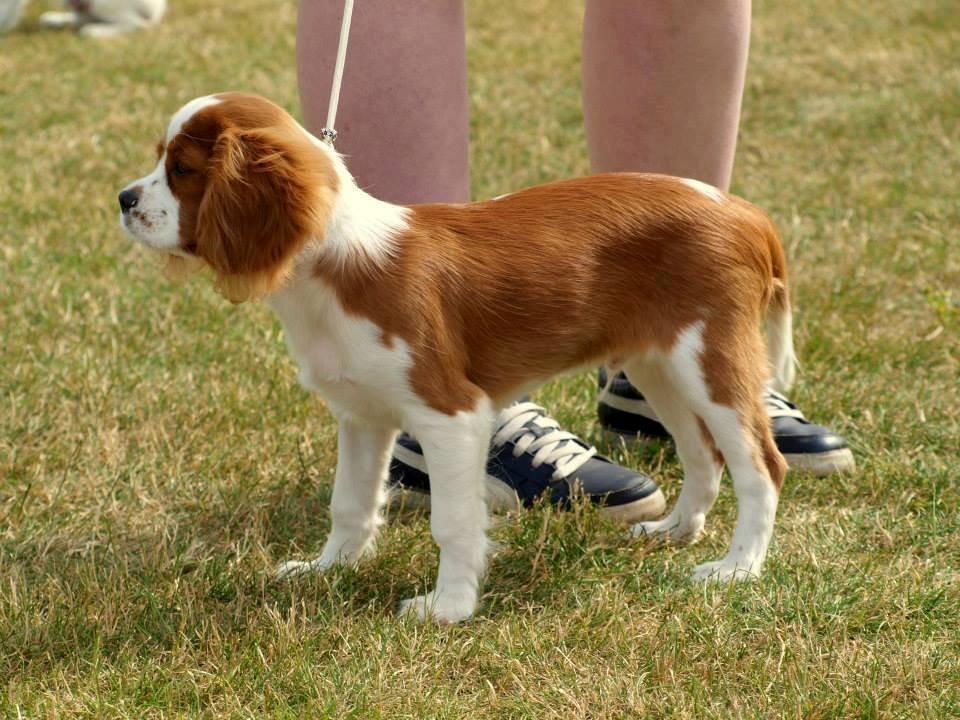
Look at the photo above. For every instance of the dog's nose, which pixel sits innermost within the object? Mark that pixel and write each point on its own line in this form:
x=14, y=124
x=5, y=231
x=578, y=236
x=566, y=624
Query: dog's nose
x=128, y=199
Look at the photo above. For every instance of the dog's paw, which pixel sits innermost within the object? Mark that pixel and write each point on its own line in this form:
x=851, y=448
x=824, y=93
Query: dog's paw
x=297, y=568
x=670, y=530
x=336, y=551
x=292, y=569
x=445, y=608
x=726, y=571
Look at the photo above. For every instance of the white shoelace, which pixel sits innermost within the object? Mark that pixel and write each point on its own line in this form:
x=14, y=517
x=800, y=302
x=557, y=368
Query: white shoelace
x=556, y=447
x=777, y=405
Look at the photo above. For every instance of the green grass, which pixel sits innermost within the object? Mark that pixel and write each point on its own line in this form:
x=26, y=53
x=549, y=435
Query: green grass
x=157, y=458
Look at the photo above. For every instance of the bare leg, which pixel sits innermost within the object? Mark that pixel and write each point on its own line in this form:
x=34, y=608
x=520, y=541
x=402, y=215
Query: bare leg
x=662, y=84
x=403, y=112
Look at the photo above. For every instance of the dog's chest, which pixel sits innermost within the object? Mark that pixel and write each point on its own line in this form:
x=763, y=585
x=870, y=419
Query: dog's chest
x=340, y=356
x=321, y=362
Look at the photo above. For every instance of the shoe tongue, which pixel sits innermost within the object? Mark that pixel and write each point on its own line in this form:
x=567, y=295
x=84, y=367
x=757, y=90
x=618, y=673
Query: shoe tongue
x=538, y=430
x=533, y=427
x=778, y=406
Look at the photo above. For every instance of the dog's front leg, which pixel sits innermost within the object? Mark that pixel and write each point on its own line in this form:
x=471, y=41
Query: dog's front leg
x=363, y=452
x=456, y=453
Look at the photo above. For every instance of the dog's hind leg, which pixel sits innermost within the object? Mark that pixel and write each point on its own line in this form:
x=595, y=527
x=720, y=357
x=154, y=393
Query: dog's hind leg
x=722, y=376
x=702, y=465
x=757, y=469
x=363, y=452
x=455, y=449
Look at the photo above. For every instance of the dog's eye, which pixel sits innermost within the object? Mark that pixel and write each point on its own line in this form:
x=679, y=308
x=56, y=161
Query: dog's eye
x=179, y=169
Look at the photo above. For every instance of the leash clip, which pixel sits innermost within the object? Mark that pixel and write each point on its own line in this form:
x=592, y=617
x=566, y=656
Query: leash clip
x=328, y=133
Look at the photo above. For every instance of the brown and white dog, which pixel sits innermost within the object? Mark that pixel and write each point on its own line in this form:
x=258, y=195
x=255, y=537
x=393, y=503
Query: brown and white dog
x=432, y=317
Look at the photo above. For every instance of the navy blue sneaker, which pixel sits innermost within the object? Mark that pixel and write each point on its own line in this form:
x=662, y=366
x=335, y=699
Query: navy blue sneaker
x=532, y=457
x=625, y=413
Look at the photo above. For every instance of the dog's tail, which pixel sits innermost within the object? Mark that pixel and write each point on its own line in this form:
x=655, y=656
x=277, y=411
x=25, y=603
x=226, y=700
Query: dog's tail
x=783, y=359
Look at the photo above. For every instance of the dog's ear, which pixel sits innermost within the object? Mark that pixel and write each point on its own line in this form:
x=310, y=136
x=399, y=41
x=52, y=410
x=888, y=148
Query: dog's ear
x=268, y=192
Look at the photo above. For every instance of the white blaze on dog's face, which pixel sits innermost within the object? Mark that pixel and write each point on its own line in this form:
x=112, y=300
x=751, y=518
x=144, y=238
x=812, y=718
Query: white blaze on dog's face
x=149, y=211
x=239, y=186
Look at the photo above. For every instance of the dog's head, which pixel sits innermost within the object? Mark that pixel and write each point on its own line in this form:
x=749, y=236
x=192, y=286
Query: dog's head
x=239, y=186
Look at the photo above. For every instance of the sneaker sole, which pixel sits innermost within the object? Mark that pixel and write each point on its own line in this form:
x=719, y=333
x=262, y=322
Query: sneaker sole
x=832, y=462
x=823, y=464
x=502, y=499
x=652, y=507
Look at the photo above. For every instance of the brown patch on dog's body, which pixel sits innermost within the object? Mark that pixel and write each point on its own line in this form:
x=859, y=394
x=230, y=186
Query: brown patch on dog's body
x=494, y=296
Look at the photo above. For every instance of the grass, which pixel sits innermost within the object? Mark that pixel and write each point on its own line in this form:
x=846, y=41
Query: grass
x=157, y=458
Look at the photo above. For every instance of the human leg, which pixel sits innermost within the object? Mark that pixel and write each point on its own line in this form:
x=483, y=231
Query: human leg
x=662, y=84
x=403, y=113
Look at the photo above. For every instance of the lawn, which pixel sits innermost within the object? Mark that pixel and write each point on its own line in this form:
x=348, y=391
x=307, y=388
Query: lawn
x=158, y=459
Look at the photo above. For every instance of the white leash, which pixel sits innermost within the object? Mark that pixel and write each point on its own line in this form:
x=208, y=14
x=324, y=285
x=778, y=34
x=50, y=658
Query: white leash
x=328, y=134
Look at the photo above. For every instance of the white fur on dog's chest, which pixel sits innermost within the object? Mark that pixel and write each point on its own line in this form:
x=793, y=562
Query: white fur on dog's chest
x=321, y=364
x=339, y=356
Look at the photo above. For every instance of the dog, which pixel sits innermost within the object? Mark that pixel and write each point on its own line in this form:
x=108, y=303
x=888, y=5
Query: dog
x=432, y=317
x=93, y=18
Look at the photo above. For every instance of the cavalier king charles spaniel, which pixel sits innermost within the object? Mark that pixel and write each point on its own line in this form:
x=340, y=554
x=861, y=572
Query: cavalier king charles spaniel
x=431, y=318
